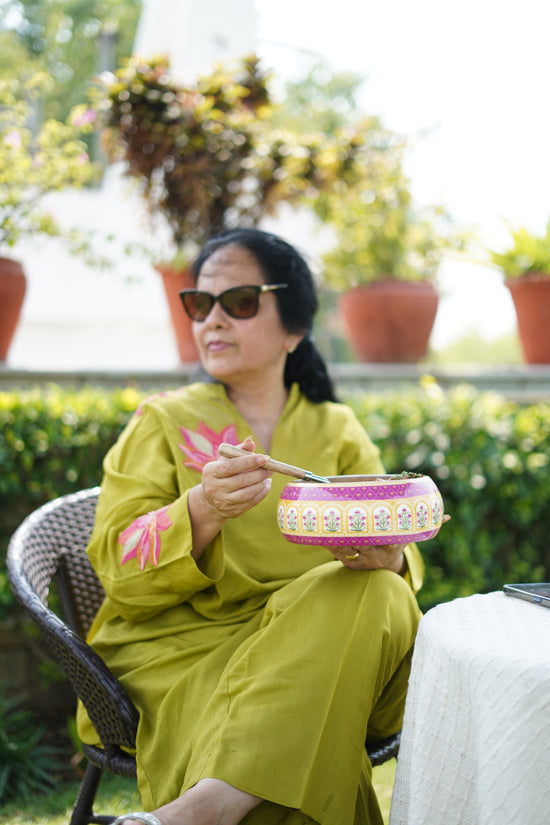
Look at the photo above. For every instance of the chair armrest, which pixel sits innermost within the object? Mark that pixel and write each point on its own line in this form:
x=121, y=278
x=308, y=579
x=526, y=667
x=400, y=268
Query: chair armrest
x=109, y=707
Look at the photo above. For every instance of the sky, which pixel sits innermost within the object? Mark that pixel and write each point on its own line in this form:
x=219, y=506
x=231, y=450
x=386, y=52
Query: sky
x=466, y=83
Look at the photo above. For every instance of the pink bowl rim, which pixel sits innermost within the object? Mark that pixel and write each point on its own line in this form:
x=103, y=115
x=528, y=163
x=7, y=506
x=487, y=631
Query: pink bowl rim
x=392, y=487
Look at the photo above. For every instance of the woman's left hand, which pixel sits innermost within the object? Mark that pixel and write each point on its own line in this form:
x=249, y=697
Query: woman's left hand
x=376, y=556
x=372, y=557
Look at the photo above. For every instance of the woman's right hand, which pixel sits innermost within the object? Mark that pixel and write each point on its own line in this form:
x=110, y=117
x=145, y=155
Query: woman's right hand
x=229, y=487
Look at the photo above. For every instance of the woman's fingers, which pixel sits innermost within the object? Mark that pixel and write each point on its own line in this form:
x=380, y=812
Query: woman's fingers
x=372, y=557
x=233, y=485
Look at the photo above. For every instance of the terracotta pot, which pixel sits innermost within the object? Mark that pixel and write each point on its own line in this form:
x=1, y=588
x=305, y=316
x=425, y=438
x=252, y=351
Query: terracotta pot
x=358, y=510
x=531, y=297
x=174, y=281
x=13, y=285
x=390, y=321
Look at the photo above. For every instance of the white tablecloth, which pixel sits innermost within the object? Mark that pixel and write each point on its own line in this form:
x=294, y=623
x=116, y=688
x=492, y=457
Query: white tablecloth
x=475, y=748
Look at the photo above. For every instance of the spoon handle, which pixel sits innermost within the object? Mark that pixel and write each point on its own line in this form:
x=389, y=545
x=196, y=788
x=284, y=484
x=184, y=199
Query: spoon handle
x=231, y=451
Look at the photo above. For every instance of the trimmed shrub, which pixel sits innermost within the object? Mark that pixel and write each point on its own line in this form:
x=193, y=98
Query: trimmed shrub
x=52, y=442
x=489, y=456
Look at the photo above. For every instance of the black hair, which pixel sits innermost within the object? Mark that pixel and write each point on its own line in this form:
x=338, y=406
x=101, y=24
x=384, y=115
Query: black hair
x=282, y=263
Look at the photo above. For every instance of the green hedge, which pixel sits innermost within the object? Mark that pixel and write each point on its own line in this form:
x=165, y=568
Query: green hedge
x=490, y=458
x=52, y=442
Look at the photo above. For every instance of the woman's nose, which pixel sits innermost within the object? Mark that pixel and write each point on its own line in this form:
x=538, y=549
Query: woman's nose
x=217, y=317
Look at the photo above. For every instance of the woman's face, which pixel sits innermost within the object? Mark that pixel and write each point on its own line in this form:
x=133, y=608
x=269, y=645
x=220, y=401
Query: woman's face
x=237, y=351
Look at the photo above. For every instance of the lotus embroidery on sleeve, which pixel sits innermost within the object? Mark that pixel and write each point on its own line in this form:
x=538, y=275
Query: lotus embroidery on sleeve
x=142, y=538
x=202, y=446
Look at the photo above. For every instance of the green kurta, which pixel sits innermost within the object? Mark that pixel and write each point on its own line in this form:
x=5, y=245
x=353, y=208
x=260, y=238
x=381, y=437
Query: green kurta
x=266, y=663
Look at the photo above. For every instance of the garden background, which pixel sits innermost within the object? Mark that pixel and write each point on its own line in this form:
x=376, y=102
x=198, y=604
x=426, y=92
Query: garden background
x=90, y=328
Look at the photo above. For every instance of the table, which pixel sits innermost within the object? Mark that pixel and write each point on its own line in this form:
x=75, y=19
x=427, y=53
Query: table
x=475, y=748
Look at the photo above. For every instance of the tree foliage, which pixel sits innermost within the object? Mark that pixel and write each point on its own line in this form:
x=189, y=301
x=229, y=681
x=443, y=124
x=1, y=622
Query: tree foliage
x=321, y=101
x=61, y=38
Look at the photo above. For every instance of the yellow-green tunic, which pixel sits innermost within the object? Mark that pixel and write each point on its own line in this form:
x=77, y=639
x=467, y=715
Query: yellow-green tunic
x=267, y=663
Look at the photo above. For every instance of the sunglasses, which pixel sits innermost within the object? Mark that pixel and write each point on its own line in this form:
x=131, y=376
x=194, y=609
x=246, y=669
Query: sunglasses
x=238, y=302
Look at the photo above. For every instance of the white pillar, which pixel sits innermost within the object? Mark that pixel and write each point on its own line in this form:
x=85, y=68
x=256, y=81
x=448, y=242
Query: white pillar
x=196, y=34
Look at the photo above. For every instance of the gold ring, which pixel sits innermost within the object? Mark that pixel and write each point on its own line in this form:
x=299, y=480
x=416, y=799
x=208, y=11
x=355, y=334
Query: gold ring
x=353, y=556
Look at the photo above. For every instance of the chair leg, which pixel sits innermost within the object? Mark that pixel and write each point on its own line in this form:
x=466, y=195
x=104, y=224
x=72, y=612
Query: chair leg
x=83, y=808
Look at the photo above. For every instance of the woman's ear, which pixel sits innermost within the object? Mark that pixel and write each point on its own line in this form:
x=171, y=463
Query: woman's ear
x=292, y=343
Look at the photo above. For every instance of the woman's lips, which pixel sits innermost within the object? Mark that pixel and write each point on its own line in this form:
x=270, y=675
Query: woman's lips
x=217, y=346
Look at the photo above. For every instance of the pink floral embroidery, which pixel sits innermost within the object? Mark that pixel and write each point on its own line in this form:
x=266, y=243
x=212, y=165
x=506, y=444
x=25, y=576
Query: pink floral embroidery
x=142, y=538
x=202, y=446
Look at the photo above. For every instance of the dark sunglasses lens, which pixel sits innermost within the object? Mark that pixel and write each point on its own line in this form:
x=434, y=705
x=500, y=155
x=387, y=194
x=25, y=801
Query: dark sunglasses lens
x=241, y=302
x=197, y=304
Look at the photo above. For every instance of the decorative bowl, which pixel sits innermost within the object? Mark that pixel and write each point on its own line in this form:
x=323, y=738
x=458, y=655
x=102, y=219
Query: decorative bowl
x=384, y=509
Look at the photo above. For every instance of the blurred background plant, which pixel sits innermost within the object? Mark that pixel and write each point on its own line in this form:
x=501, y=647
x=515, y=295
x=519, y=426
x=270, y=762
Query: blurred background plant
x=224, y=151
x=527, y=252
x=383, y=235
x=36, y=162
x=237, y=144
x=525, y=267
x=27, y=763
x=212, y=154
x=60, y=38
x=379, y=231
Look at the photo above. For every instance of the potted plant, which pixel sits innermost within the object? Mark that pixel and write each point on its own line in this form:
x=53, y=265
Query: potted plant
x=33, y=165
x=384, y=266
x=207, y=155
x=525, y=265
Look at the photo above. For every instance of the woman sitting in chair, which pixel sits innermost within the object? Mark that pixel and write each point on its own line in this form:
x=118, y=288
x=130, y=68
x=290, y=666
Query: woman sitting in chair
x=259, y=667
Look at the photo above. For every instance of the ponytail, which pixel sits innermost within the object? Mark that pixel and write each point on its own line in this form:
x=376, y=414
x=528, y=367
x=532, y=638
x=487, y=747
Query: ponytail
x=307, y=368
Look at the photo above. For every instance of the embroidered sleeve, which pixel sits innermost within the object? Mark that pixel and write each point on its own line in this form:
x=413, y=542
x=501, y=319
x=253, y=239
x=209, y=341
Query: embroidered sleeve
x=201, y=446
x=142, y=538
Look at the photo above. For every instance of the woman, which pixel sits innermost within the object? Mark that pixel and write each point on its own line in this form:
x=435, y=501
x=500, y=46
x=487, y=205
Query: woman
x=258, y=667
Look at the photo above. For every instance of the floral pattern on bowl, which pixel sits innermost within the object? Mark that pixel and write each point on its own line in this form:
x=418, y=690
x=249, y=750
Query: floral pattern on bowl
x=385, y=509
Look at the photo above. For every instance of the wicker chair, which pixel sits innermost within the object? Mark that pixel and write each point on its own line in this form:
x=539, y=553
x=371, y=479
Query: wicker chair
x=50, y=547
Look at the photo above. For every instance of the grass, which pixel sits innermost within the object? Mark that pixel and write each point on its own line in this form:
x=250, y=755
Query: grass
x=383, y=778
x=118, y=795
